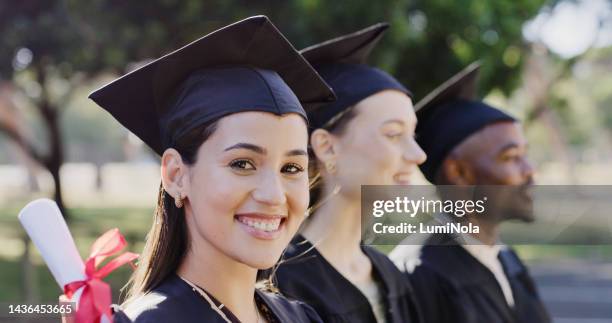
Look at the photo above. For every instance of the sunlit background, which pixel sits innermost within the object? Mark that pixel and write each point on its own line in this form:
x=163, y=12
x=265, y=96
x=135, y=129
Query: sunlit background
x=546, y=62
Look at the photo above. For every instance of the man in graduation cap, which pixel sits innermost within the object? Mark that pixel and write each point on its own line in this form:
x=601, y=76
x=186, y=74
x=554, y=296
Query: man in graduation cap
x=472, y=277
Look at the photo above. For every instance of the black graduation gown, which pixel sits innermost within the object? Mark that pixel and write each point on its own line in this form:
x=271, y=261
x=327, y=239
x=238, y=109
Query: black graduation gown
x=310, y=278
x=453, y=286
x=175, y=301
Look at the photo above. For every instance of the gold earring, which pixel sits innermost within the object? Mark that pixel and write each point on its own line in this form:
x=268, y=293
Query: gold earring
x=178, y=201
x=330, y=167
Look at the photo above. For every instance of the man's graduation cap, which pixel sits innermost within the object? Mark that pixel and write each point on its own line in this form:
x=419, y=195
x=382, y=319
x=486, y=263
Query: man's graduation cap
x=341, y=63
x=450, y=114
x=246, y=66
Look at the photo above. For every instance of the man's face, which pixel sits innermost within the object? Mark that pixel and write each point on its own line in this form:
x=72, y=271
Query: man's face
x=497, y=156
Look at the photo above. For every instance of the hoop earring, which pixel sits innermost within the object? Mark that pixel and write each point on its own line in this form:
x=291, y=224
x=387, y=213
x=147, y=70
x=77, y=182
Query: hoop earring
x=178, y=201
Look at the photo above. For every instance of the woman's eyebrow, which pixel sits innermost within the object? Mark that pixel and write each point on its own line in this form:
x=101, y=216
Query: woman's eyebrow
x=297, y=152
x=263, y=151
x=401, y=122
x=244, y=145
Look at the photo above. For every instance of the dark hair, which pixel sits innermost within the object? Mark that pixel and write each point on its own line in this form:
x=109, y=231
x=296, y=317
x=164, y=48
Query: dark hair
x=167, y=241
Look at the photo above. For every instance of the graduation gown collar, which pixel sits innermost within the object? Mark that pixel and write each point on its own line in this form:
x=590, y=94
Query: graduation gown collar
x=174, y=300
x=474, y=291
x=384, y=270
x=302, y=249
x=465, y=272
x=448, y=253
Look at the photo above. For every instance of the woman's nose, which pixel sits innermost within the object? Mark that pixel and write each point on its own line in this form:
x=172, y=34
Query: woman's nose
x=414, y=154
x=270, y=190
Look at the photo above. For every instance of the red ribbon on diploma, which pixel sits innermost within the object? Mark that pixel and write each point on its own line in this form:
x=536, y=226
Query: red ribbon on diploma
x=95, y=300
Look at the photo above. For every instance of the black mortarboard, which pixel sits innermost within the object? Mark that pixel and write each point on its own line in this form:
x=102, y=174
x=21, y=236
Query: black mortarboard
x=246, y=66
x=450, y=114
x=341, y=63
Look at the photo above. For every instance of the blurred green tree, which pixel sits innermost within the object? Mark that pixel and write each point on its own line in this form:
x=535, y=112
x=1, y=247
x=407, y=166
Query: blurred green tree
x=40, y=43
x=68, y=42
x=429, y=39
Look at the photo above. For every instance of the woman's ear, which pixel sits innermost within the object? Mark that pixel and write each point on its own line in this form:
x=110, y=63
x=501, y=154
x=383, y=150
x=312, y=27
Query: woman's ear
x=174, y=174
x=322, y=143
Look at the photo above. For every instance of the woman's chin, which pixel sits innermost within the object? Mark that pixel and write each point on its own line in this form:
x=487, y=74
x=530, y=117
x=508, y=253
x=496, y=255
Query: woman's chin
x=261, y=263
x=260, y=260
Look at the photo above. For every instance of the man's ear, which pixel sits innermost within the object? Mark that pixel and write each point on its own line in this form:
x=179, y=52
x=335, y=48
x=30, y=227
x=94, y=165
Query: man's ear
x=174, y=174
x=323, y=144
x=456, y=172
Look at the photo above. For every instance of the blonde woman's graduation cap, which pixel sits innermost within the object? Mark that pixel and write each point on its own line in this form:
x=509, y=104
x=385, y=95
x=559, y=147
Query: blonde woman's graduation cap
x=354, y=48
x=341, y=61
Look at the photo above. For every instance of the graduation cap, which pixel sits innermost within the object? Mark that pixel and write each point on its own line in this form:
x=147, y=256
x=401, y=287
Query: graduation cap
x=450, y=114
x=341, y=62
x=245, y=66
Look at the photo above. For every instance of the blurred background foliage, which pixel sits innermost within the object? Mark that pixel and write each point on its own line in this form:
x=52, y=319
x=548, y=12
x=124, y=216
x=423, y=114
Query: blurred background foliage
x=54, y=52
x=433, y=37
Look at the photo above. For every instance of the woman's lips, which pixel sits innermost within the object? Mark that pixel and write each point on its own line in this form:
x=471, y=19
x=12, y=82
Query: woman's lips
x=261, y=226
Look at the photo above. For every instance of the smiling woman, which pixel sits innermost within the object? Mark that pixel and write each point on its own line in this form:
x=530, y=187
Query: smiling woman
x=259, y=193
x=366, y=137
x=225, y=113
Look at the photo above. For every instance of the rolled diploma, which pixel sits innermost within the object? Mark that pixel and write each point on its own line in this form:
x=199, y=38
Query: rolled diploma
x=45, y=225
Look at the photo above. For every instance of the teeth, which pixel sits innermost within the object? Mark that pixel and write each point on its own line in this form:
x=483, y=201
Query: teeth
x=264, y=225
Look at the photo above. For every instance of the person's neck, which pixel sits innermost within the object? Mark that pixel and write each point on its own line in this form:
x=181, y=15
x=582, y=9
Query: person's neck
x=230, y=282
x=335, y=229
x=488, y=230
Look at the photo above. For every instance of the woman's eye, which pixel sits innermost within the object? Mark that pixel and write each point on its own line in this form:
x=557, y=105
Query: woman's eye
x=394, y=136
x=242, y=164
x=292, y=169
